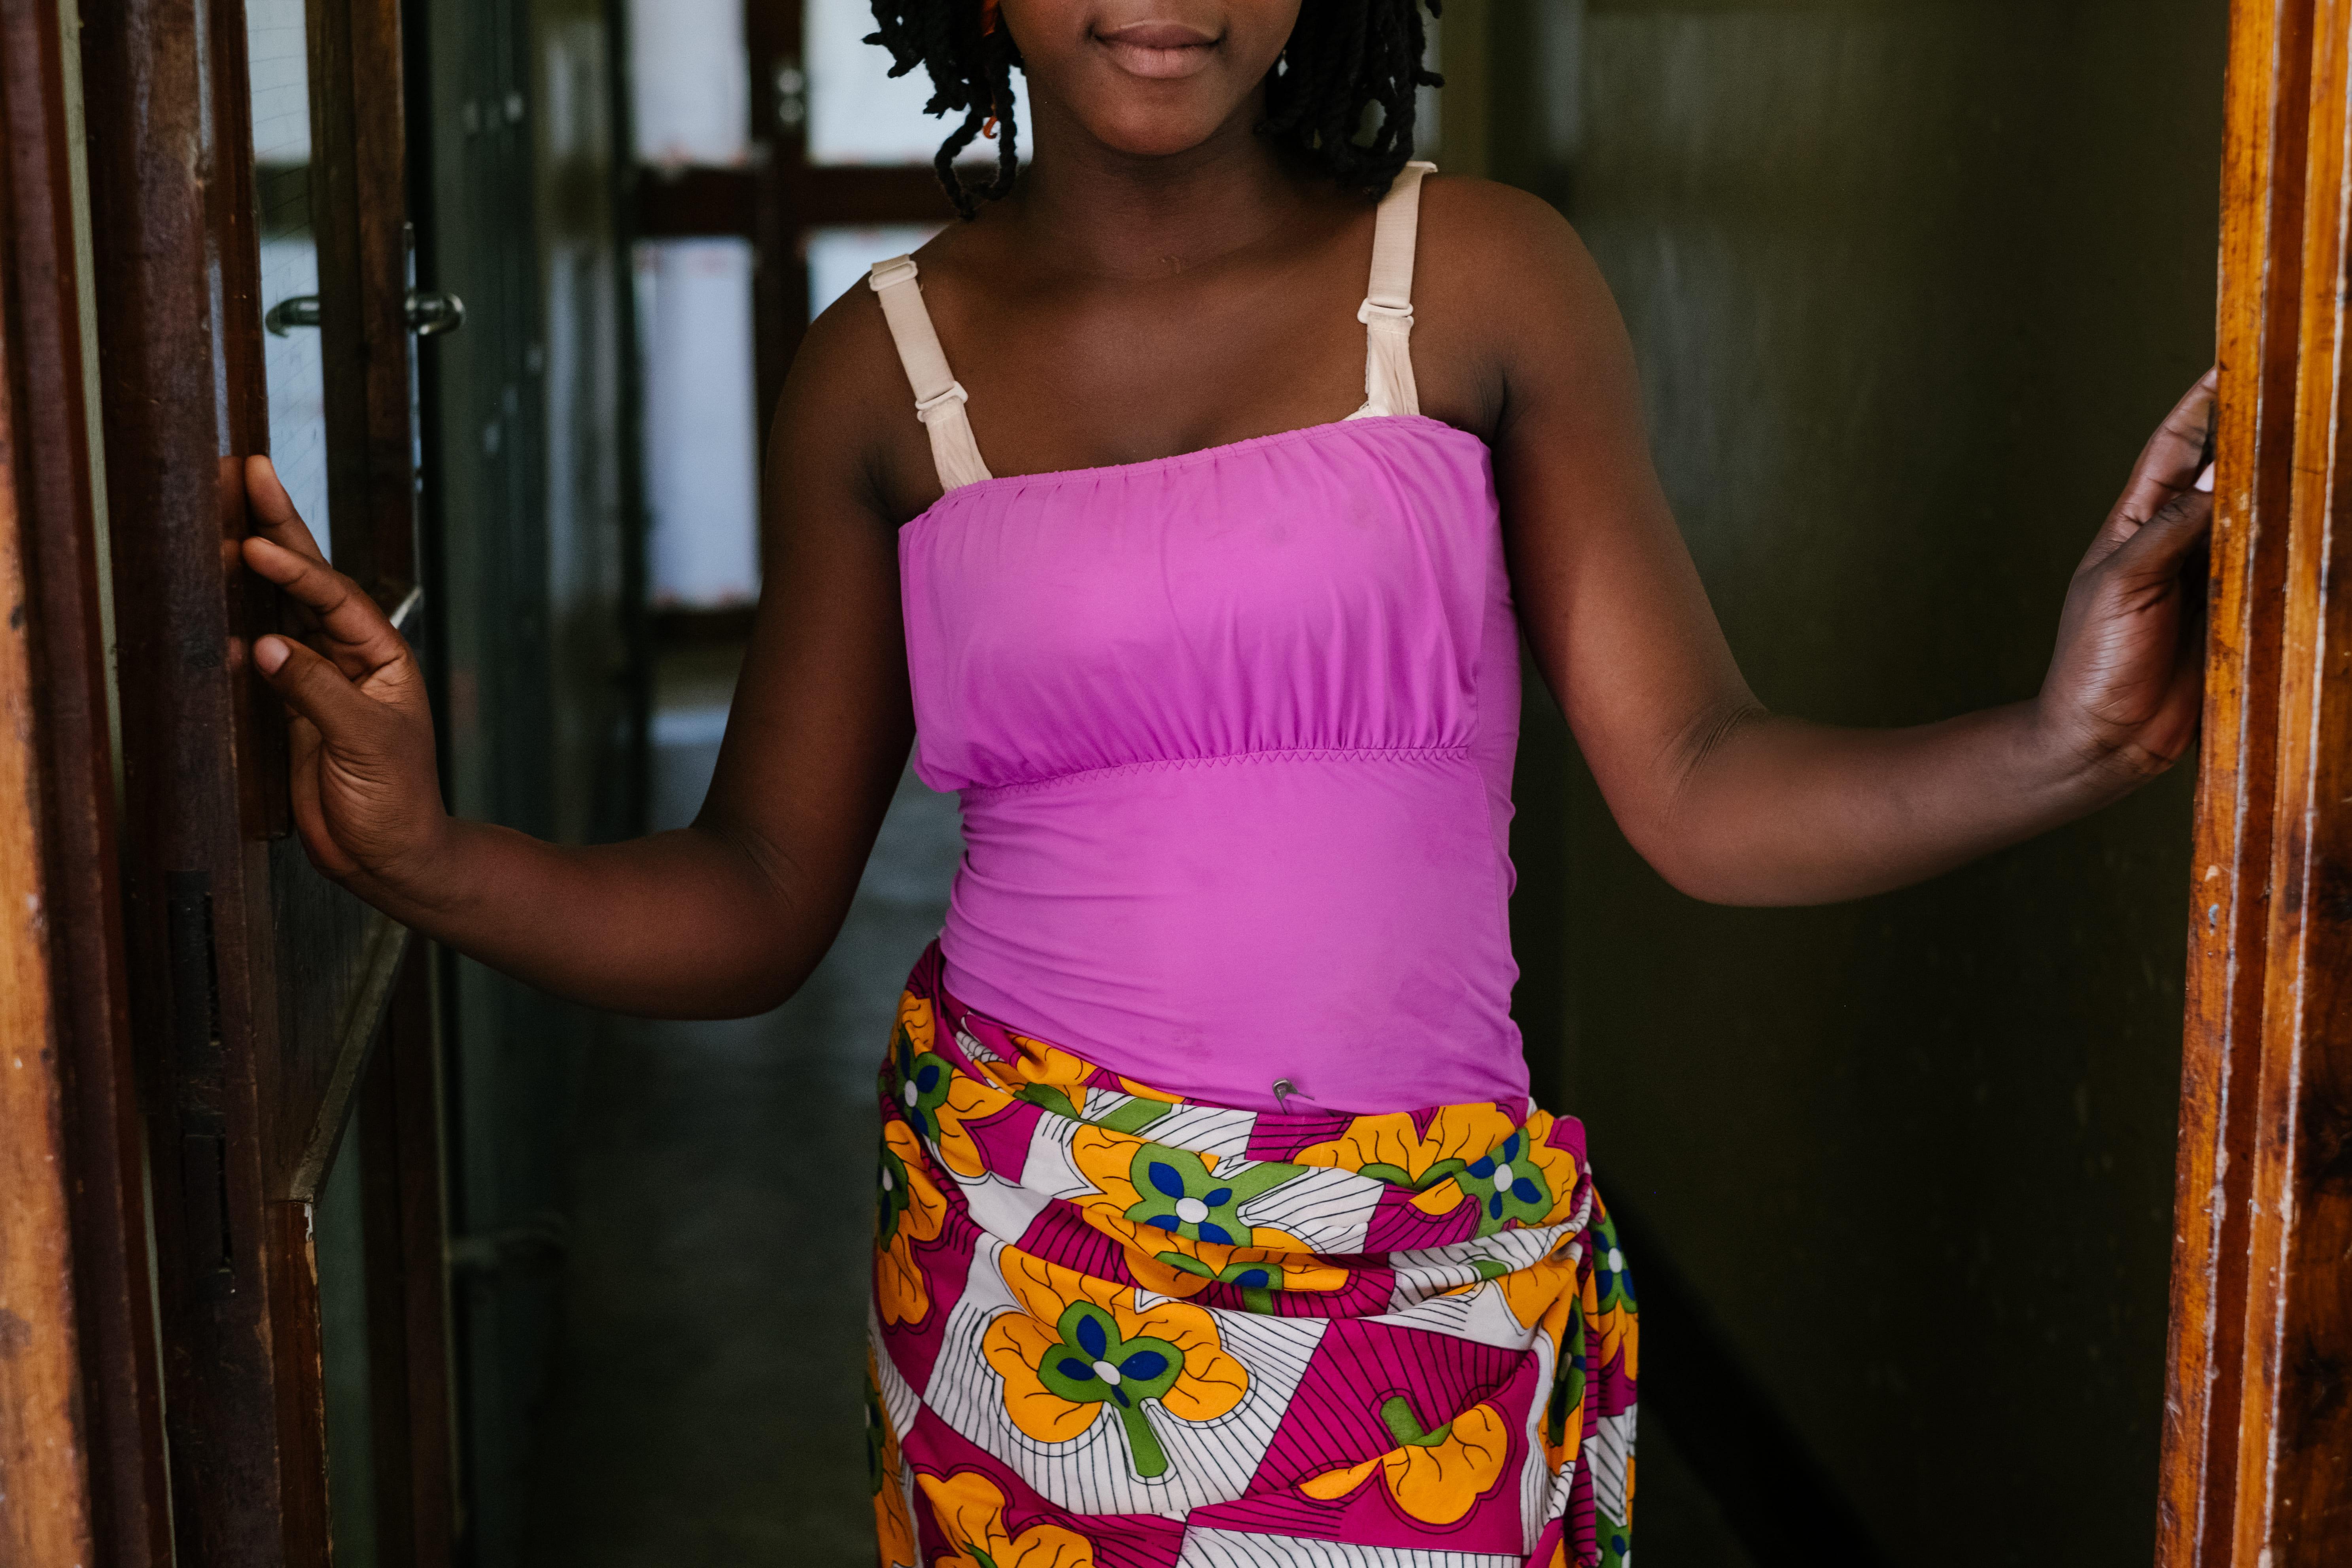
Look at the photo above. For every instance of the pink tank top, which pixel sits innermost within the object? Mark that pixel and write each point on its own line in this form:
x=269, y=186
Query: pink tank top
x=1233, y=733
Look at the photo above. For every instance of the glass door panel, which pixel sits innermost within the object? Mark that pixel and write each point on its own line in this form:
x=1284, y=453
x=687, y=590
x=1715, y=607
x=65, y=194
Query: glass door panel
x=278, y=64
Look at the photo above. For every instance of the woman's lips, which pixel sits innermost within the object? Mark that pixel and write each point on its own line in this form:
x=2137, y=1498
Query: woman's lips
x=1158, y=50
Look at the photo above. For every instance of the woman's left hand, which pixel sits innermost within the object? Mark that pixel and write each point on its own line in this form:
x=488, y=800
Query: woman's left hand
x=2127, y=682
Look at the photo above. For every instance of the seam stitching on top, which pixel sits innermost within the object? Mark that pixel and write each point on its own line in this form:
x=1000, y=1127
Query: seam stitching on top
x=1166, y=764
x=1053, y=477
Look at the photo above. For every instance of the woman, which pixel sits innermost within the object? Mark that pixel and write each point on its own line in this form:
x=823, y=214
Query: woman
x=1215, y=1224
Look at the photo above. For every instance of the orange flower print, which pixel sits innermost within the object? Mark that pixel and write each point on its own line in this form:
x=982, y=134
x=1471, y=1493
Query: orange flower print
x=1179, y=1222
x=969, y=1513
x=1051, y=1077
x=1609, y=1302
x=1181, y=1267
x=1079, y=1347
x=1536, y=1295
x=894, y=1527
x=1436, y=1477
x=1533, y=1294
x=1523, y=1180
x=1594, y=1326
x=1443, y=1198
x=932, y=1097
x=1174, y=1193
x=1390, y=1147
x=1043, y=1075
x=908, y=1209
x=1563, y=1422
x=917, y=1022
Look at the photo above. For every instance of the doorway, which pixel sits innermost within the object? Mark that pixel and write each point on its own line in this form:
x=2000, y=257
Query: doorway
x=444, y=1272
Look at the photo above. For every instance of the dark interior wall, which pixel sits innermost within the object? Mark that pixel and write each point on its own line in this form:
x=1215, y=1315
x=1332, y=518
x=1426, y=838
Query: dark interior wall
x=1909, y=284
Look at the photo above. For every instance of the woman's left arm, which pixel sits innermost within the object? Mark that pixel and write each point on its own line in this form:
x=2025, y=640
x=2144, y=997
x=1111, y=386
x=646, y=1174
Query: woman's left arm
x=1737, y=804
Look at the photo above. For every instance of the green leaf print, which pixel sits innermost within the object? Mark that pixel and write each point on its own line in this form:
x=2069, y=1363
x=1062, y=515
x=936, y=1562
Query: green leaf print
x=1129, y=1115
x=1258, y=1282
x=1093, y=1365
x=917, y=1083
x=1568, y=1382
x=1404, y=1425
x=1508, y=1184
x=1616, y=1540
x=1398, y=1176
x=876, y=1430
x=893, y=1199
x=1178, y=1193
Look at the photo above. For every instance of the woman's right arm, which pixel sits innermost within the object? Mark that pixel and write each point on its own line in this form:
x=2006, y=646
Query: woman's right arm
x=721, y=919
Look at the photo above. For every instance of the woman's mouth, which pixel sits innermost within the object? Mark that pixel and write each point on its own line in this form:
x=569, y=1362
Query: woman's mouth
x=1158, y=50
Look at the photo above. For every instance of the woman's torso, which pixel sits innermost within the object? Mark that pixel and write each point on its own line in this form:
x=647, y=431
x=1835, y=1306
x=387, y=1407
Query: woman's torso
x=1233, y=734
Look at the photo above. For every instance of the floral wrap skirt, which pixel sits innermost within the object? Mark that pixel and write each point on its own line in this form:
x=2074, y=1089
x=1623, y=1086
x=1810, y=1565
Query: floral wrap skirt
x=1116, y=1328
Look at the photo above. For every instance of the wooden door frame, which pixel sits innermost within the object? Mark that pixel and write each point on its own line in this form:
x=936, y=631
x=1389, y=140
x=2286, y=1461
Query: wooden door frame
x=2258, y=1450
x=239, y=1123
x=171, y=176
x=81, y=1441
x=2258, y=1433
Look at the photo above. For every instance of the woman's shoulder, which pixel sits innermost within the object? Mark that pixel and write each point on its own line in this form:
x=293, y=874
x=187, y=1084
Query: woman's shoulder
x=1511, y=252
x=1506, y=300
x=847, y=411
x=1489, y=209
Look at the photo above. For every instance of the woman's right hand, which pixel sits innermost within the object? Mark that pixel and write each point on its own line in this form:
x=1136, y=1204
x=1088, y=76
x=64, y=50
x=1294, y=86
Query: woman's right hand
x=366, y=795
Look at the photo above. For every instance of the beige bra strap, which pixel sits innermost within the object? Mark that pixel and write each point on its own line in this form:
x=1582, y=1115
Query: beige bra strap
x=1387, y=311
x=939, y=396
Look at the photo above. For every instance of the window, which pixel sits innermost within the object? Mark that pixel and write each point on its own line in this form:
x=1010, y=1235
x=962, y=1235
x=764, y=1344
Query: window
x=779, y=160
x=838, y=257
x=857, y=112
x=694, y=321
x=279, y=52
x=690, y=88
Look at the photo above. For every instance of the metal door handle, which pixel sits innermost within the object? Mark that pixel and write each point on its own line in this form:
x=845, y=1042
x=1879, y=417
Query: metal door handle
x=429, y=312
x=299, y=311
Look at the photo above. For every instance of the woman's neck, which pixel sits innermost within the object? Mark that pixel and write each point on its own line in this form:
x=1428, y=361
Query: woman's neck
x=1109, y=212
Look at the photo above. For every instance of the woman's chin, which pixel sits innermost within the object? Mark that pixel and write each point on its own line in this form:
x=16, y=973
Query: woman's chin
x=1155, y=135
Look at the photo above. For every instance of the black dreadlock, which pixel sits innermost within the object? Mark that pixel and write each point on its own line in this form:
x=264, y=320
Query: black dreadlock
x=1344, y=58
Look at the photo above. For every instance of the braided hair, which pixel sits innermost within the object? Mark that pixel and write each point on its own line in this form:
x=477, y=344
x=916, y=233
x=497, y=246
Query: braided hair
x=1345, y=57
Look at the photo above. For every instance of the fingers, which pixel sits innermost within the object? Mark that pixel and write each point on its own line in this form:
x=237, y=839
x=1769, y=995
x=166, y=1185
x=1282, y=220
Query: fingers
x=315, y=689
x=326, y=856
x=273, y=513
x=2174, y=456
x=2159, y=546
x=365, y=641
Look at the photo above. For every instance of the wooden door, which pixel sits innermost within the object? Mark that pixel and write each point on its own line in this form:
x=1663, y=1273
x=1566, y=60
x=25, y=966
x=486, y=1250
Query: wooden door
x=247, y=179
x=82, y=1442
x=2258, y=1444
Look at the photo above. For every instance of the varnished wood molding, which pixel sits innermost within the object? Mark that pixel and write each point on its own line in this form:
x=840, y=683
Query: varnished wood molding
x=2257, y=1469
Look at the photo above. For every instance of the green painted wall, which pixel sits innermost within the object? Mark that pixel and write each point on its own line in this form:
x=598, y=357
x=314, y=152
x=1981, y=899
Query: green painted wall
x=1909, y=283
